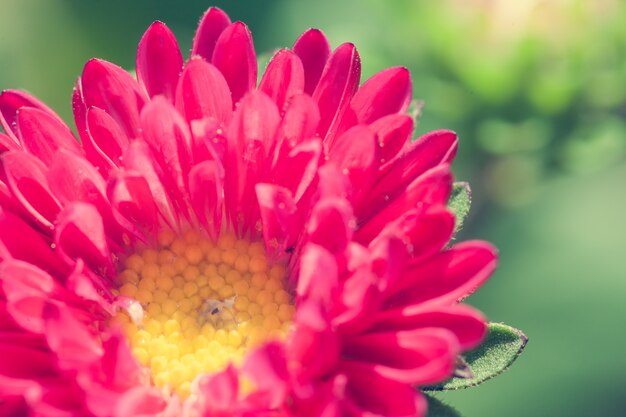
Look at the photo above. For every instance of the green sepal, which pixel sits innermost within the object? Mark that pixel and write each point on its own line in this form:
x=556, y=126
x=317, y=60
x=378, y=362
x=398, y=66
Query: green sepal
x=495, y=355
x=436, y=408
x=460, y=202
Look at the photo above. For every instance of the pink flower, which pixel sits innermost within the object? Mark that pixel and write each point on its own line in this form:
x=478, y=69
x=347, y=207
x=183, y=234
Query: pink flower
x=153, y=267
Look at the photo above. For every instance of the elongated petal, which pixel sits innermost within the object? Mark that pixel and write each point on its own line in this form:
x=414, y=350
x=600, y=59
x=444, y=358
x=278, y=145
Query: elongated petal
x=313, y=49
x=107, y=139
x=205, y=189
x=279, y=217
x=467, y=324
x=211, y=26
x=27, y=180
x=393, y=133
x=331, y=224
x=430, y=150
x=43, y=135
x=417, y=357
x=298, y=170
x=234, y=55
x=159, y=61
x=446, y=278
x=11, y=101
x=80, y=234
x=387, y=92
x=431, y=188
x=336, y=86
x=283, y=78
x=112, y=89
x=7, y=144
x=319, y=275
x=203, y=92
x=131, y=197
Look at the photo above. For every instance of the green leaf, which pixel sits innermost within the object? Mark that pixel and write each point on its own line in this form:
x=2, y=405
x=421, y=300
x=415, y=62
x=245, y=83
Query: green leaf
x=495, y=355
x=436, y=408
x=460, y=202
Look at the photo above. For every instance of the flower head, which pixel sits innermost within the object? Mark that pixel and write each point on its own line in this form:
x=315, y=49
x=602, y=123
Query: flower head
x=214, y=247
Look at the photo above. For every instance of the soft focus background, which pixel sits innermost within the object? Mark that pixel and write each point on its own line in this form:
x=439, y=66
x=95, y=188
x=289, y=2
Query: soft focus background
x=536, y=90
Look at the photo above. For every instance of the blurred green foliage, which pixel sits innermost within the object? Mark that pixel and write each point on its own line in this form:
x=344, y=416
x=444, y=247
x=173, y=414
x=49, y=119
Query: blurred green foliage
x=536, y=90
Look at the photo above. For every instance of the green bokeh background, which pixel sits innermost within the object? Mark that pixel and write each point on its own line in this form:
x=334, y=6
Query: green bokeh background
x=536, y=90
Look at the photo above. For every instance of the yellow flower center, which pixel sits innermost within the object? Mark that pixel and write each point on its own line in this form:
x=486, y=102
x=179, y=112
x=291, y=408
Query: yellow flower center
x=204, y=305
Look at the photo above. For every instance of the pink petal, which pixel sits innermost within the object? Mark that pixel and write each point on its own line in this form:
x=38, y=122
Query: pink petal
x=234, y=56
x=297, y=171
x=431, y=188
x=279, y=217
x=355, y=153
x=430, y=150
x=360, y=301
x=318, y=279
x=130, y=196
x=7, y=144
x=424, y=232
x=109, y=87
x=298, y=123
x=416, y=357
x=220, y=391
x=43, y=135
x=144, y=401
x=159, y=61
x=331, y=224
x=371, y=392
x=106, y=137
x=250, y=136
x=28, y=363
x=168, y=136
x=267, y=368
x=283, y=78
x=26, y=177
x=74, y=345
x=387, y=92
x=393, y=132
x=11, y=101
x=311, y=335
x=313, y=49
x=468, y=325
x=203, y=92
x=205, y=190
x=80, y=234
x=337, y=84
x=25, y=244
x=138, y=160
x=446, y=278
x=211, y=26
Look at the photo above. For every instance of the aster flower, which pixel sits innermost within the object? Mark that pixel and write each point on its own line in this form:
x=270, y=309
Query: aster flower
x=214, y=247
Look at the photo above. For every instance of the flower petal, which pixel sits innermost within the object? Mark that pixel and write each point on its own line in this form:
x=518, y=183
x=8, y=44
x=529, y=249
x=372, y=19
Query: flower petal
x=234, y=55
x=203, y=92
x=278, y=214
x=159, y=61
x=337, y=84
x=416, y=357
x=446, y=278
x=107, y=139
x=109, y=87
x=26, y=178
x=313, y=49
x=283, y=78
x=11, y=101
x=211, y=26
x=331, y=224
x=393, y=132
x=43, y=135
x=387, y=92
x=205, y=189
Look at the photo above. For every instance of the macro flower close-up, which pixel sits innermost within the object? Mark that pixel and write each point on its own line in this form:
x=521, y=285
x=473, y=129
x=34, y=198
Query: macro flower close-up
x=211, y=240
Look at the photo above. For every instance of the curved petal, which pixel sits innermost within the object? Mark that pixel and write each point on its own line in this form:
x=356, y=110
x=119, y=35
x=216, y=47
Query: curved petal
x=418, y=357
x=337, y=84
x=43, y=135
x=159, y=61
x=234, y=56
x=279, y=217
x=11, y=101
x=109, y=87
x=283, y=78
x=27, y=180
x=331, y=224
x=106, y=137
x=209, y=30
x=393, y=133
x=205, y=190
x=446, y=278
x=203, y=92
x=387, y=92
x=313, y=49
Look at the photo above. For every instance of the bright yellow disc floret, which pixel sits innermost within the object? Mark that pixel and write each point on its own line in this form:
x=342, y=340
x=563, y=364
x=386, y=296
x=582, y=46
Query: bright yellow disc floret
x=205, y=304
